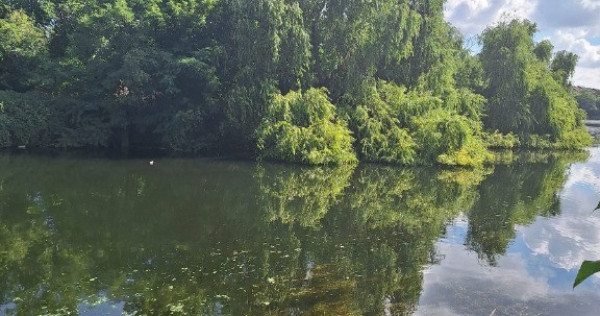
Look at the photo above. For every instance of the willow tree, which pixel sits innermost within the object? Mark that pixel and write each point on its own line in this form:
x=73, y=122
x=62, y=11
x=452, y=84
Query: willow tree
x=356, y=40
x=563, y=66
x=264, y=48
x=524, y=96
x=304, y=128
x=506, y=55
x=433, y=64
x=543, y=50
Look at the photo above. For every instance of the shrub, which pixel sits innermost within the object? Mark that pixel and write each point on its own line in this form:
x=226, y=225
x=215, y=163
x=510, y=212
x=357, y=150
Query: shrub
x=450, y=139
x=24, y=119
x=536, y=141
x=79, y=123
x=574, y=139
x=406, y=105
x=188, y=132
x=498, y=140
x=465, y=102
x=304, y=128
x=396, y=126
x=380, y=137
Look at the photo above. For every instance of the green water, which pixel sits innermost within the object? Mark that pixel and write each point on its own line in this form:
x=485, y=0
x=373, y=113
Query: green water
x=207, y=237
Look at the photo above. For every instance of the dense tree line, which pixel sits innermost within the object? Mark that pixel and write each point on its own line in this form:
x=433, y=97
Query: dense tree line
x=310, y=81
x=589, y=100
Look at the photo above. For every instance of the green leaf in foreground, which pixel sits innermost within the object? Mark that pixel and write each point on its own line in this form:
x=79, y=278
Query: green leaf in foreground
x=586, y=270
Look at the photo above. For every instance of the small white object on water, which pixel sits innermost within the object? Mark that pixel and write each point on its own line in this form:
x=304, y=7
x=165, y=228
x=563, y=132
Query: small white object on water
x=151, y=162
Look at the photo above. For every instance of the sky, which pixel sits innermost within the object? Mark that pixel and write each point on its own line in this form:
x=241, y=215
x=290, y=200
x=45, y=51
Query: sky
x=572, y=25
x=535, y=275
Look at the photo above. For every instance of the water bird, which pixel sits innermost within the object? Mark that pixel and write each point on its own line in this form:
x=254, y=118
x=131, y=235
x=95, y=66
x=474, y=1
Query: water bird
x=151, y=162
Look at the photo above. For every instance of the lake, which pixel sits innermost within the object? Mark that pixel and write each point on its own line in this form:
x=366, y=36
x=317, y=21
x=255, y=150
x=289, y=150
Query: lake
x=89, y=236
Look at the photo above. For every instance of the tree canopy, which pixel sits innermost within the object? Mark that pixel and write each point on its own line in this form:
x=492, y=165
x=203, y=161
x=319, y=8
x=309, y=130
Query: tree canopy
x=208, y=76
x=588, y=100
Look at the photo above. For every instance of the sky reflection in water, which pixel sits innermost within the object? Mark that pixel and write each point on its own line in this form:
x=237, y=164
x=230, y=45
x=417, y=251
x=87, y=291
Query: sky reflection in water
x=535, y=276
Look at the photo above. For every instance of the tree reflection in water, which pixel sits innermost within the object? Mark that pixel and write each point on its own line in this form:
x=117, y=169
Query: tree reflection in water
x=515, y=194
x=215, y=237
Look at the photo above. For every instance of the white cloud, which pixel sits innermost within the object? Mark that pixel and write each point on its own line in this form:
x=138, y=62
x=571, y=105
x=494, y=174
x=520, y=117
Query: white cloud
x=592, y=4
x=574, y=236
x=589, y=55
x=575, y=40
x=473, y=16
x=588, y=69
x=587, y=77
x=529, y=279
x=566, y=13
x=563, y=242
x=585, y=175
x=461, y=285
x=569, y=25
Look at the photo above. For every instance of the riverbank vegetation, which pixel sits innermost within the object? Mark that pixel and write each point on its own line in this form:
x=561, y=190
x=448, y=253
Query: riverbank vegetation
x=311, y=81
x=588, y=99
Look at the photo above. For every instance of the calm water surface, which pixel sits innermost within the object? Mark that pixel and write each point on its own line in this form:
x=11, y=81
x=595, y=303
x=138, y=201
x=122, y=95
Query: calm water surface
x=206, y=237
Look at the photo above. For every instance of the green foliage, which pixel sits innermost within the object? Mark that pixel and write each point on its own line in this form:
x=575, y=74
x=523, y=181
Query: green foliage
x=470, y=73
x=446, y=131
x=563, y=66
x=265, y=48
x=381, y=137
x=450, y=139
x=20, y=37
x=78, y=123
x=24, y=119
x=356, y=40
x=506, y=56
x=465, y=102
x=187, y=133
x=575, y=139
x=557, y=113
x=570, y=141
x=587, y=269
x=395, y=126
x=4, y=129
x=433, y=65
x=537, y=141
x=500, y=141
x=22, y=49
x=589, y=101
x=543, y=51
x=197, y=125
x=198, y=76
x=524, y=95
x=304, y=128
x=408, y=105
